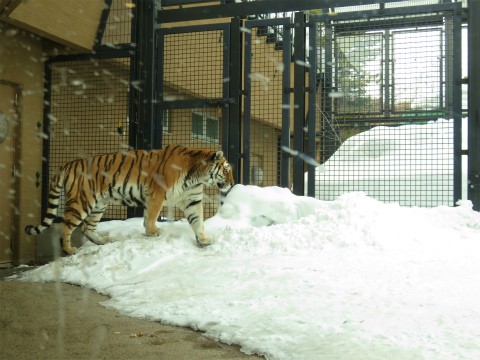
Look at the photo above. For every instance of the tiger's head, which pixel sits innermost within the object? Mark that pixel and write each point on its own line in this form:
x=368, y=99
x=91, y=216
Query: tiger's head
x=221, y=173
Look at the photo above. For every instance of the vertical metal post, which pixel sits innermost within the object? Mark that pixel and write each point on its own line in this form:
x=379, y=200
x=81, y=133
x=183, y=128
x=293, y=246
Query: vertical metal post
x=445, y=96
x=474, y=103
x=47, y=100
x=299, y=103
x=233, y=148
x=388, y=104
x=132, y=116
x=312, y=102
x=457, y=103
x=328, y=142
x=146, y=134
x=225, y=128
x=159, y=104
x=285, y=140
x=247, y=107
x=145, y=67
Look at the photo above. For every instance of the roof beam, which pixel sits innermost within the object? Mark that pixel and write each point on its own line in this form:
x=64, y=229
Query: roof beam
x=252, y=8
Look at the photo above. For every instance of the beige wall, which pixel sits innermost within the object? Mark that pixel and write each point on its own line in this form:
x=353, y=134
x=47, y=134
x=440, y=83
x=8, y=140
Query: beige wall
x=21, y=63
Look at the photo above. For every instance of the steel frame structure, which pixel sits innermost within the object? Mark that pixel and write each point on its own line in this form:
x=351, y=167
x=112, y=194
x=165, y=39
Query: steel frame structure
x=145, y=103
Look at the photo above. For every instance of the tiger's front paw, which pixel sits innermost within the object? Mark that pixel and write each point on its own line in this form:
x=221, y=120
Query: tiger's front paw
x=204, y=241
x=70, y=250
x=96, y=238
x=153, y=231
x=105, y=240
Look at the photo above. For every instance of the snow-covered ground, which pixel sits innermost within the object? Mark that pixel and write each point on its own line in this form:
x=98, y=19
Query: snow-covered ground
x=292, y=277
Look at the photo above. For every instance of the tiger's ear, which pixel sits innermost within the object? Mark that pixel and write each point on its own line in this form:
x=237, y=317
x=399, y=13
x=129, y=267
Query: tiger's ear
x=218, y=155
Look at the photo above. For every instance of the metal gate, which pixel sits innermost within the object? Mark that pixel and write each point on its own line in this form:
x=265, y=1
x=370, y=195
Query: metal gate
x=386, y=110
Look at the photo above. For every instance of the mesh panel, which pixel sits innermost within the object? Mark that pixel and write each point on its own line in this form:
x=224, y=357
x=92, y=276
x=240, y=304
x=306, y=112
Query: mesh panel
x=417, y=55
x=89, y=113
x=193, y=70
x=119, y=24
x=193, y=65
x=384, y=110
x=408, y=164
x=265, y=91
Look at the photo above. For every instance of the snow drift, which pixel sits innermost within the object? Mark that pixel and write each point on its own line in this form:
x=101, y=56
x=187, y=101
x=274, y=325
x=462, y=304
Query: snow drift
x=297, y=278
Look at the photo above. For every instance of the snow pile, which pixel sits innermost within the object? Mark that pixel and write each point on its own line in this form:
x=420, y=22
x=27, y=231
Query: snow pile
x=297, y=278
x=409, y=164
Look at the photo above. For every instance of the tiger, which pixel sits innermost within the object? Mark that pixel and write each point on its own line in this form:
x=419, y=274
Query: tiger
x=149, y=178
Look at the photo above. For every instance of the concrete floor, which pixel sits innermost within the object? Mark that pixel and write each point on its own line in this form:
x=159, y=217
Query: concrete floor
x=62, y=321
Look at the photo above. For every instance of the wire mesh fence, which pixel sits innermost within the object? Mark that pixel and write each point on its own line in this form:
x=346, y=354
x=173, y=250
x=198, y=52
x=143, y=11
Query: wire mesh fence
x=193, y=64
x=118, y=27
x=385, y=108
x=88, y=113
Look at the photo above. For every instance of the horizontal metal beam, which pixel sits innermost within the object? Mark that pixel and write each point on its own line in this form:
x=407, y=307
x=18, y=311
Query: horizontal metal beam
x=180, y=2
x=110, y=54
x=253, y=8
x=195, y=103
x=399, y=11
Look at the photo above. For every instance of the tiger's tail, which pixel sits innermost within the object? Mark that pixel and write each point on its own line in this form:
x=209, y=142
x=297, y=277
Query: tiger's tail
x=53, y=203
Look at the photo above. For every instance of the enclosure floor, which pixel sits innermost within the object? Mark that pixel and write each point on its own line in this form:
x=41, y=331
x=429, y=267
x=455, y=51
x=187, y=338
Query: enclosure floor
x=62, y=321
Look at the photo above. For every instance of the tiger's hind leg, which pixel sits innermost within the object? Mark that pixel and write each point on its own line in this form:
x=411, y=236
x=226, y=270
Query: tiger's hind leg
x=192, y=207
x=89, y=226
x=71, y=220
x=67, y=230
